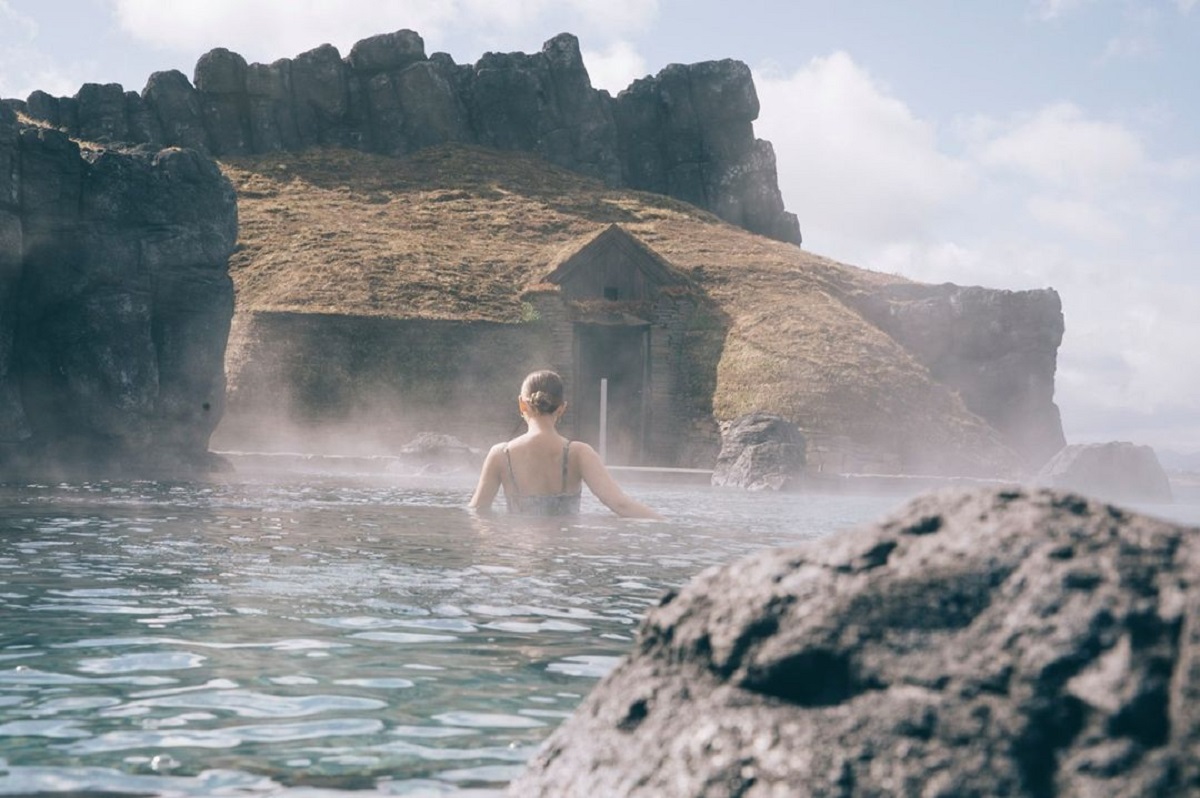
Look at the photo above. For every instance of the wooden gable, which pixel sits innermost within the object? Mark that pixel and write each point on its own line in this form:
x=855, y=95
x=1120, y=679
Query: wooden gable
x=614, y=265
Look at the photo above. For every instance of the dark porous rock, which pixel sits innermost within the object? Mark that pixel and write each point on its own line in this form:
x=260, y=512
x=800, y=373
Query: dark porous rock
x=433, y=452
x=999, y=349
x=43, y=106
x=14, y=426
x=986, y=643
x=143, y=124
x=388, y=52
x=220, y=81
x=321, y=92
x=687, y=132
x=115, y=305
x=102, y=116
x=270, y=109
x=178, y=109
x=433, y=110
x=1117, y=471
x=759, y=451
x=579, y=131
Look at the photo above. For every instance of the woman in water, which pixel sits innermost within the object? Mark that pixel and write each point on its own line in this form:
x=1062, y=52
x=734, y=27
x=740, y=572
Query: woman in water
x=542, y=472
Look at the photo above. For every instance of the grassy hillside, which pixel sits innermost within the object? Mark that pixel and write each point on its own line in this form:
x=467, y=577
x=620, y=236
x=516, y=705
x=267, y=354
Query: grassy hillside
x=462, y=233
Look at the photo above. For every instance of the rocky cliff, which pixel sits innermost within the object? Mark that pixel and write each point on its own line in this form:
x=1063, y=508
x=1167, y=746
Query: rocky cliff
x=998, y=349
x=686, y=133
x=115, y=303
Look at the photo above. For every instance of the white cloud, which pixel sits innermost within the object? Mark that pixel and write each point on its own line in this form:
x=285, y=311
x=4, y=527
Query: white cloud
x=615, y=67
x=615, y=17
x=16, y=26
x=1186, y=6
x=270, y=29
x=1060, y=146
x=854, y=162
x=23, y=64
x=1053, y=9
x=1133, y=46
x=1076, y=217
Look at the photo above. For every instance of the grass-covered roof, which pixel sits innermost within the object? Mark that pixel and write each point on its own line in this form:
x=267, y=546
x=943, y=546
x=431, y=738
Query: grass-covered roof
x=463, y=233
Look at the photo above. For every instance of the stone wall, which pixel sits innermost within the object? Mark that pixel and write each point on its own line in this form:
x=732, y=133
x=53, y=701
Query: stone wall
x=686, y=133
x=115, y=302
x=345, y=384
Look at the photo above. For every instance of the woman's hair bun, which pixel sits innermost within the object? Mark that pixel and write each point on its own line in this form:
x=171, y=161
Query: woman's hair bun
x=543, y=402
x=543, y=391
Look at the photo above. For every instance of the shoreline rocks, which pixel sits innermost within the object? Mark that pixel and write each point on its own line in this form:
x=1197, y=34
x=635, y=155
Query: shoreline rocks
x=760, y=451
x=1116, y=471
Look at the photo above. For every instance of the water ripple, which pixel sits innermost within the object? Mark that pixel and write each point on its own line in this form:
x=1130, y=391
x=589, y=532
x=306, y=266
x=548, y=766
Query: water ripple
x=226, y=737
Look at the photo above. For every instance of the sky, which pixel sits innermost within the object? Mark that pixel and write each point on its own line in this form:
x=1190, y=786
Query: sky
x=1012, y=144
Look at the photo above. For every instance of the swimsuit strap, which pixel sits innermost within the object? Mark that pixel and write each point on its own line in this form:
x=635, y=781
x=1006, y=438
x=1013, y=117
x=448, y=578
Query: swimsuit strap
x=566, y=454
x=511, y=474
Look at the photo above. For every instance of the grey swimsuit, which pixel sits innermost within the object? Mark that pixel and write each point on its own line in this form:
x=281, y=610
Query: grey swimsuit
x=547, y=504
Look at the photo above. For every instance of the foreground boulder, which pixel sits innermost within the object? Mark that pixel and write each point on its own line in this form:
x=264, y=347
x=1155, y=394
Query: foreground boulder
x=989, y=643
x=759, y=451
x=1116, y=471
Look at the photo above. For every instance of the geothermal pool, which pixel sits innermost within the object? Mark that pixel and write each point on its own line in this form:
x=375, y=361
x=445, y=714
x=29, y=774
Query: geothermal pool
x=317, y=635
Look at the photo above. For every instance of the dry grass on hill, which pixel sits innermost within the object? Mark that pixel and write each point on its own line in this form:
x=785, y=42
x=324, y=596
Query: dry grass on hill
x=459, y=233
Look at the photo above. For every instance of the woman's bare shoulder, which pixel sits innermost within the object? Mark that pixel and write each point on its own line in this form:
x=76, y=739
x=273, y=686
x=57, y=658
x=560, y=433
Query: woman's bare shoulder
x=581, y=449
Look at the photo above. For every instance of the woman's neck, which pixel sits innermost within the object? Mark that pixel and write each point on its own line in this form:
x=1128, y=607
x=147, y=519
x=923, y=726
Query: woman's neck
x=539, y=424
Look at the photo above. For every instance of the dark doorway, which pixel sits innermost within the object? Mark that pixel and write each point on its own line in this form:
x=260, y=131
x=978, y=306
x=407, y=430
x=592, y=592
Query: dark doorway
x=620, y=354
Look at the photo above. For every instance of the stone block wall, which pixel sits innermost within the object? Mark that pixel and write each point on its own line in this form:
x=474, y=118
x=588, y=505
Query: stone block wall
x=346, y=384
x=322, y=383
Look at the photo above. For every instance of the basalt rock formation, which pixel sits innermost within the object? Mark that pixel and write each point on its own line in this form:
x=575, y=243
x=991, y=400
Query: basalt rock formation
x=115, y=302
x=759, y=451
x=1117, y=471
x=686, y=133
x=998, y=643
x=998, y=349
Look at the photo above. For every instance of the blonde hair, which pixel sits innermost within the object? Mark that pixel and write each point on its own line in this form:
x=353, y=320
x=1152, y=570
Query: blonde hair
x=543, y=392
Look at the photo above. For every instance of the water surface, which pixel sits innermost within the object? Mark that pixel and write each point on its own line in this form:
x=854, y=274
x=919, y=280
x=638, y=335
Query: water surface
x=327, y=635
x=323, y=636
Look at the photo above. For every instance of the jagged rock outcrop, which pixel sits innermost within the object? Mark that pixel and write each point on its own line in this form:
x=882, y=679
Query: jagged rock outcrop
x=759, y=451
x=437, y=453
x=115, y=303
x=686, y=133
x=1117, y=471
x=998, y=349
x=998, y=643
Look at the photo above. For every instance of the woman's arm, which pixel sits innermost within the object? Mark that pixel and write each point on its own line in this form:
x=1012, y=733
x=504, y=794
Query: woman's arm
x=489, y=480
x=605, y=488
